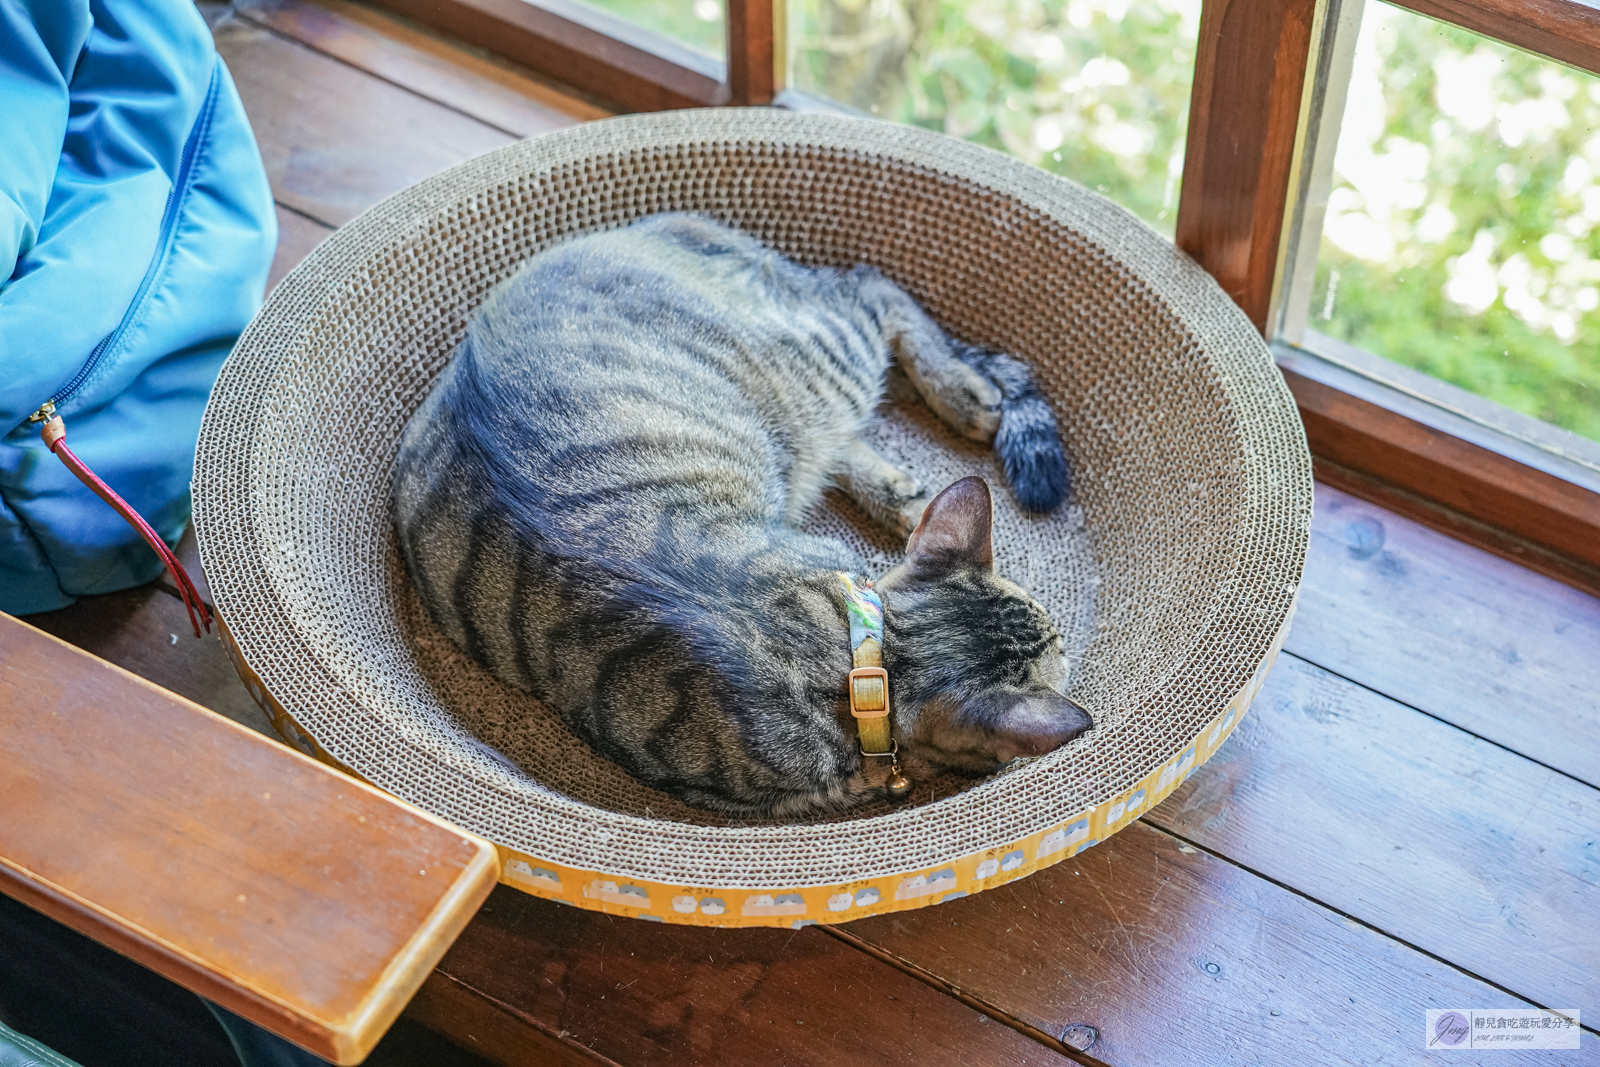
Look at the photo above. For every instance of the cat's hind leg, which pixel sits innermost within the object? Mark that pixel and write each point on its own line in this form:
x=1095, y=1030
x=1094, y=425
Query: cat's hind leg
x=885, y=492
x=964, y=398
x=979, y=393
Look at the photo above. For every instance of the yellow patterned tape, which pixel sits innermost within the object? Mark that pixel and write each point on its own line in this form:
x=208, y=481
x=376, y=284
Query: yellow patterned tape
x=705, y=906
x=293, y=736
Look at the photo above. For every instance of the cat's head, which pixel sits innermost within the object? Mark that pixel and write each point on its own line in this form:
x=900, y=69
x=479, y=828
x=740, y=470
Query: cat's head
x=975, y=665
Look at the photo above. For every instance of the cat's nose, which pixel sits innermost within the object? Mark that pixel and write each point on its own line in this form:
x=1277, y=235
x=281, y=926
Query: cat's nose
x=1078, y=720
x=1071, y=721
x=1062, y=720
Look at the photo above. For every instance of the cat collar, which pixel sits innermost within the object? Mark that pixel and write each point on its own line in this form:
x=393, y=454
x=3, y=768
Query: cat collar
x=869, y=682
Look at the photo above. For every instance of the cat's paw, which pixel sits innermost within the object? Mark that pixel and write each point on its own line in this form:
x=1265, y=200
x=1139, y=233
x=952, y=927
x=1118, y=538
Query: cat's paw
x=889, y=495
x=966, y=400
x=896, y=486
x=901, y=501
x=904, y=519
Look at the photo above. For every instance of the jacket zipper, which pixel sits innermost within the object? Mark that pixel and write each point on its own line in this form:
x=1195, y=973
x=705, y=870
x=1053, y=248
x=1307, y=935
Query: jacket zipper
x=169, y=220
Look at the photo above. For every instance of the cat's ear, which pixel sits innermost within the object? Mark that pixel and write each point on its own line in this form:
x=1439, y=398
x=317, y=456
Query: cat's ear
x=1035, y=723
x=956, y=530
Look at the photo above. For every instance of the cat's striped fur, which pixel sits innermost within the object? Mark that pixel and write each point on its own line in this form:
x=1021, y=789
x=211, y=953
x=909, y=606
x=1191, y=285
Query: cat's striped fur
x=599, y=502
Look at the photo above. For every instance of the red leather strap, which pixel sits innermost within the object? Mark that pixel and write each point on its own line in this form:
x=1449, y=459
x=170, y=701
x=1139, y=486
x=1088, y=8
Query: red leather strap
x=54, y=433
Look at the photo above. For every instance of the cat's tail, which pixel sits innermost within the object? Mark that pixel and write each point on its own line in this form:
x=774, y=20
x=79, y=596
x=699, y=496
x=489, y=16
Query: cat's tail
x=1027, y=443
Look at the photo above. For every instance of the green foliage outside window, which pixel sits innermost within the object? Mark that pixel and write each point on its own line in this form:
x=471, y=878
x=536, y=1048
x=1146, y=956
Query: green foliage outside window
x=1096, y=90
x=1461, y=234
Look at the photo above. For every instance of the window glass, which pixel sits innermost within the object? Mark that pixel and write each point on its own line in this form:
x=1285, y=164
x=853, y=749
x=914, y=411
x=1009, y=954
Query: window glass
x=1461, y=235
x=1096, y=90
x=695, y=23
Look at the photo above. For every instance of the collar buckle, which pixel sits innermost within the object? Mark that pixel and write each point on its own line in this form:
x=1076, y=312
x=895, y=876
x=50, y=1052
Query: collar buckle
x=869, y=693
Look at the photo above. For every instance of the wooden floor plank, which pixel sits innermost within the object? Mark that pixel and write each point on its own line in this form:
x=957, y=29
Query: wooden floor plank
x=1411, y=825
x=494, y=91
x=1177, y=957
x=1476, y=640
x=494, y=1030
x=337, y=140
x=188, y=552
x=638, y=993
x=297, y=236
x=145, y=630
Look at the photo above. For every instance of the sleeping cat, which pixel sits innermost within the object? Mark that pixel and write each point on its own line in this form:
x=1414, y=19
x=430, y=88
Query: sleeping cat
x=600, y=499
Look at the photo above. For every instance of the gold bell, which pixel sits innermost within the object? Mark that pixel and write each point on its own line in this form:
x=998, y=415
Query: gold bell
x=899, y=785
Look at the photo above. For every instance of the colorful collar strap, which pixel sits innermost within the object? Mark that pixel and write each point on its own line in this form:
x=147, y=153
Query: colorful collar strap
x=866, y=613
x=869, y=682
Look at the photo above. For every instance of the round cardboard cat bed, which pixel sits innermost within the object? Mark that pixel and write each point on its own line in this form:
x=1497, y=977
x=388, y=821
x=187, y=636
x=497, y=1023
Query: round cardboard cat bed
x=1172, y=572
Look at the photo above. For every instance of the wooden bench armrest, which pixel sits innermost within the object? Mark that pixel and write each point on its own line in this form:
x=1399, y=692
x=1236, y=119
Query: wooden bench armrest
x=291, y=894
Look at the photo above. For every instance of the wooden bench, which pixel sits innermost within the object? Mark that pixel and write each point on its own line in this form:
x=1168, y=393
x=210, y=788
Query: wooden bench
x=287, y=892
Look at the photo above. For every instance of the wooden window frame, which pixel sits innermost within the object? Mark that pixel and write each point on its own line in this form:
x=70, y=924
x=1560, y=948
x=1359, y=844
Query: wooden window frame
x=1254, y=119
x=1255, y=116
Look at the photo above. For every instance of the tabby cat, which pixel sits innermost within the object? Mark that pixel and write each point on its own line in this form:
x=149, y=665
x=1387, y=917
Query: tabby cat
x=600, y=499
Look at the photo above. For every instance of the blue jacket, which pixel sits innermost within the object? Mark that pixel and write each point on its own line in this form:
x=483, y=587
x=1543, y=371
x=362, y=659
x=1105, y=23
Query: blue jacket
x=136, y=229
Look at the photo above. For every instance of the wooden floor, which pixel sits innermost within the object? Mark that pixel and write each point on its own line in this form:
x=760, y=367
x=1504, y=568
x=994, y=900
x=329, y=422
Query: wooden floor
x=1408, y=818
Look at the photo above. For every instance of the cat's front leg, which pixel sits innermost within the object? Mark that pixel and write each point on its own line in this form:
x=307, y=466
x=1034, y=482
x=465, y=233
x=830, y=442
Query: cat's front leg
x=884, y=491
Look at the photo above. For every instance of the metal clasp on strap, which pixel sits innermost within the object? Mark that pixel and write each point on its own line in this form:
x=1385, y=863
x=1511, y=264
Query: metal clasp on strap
x=893, y=753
